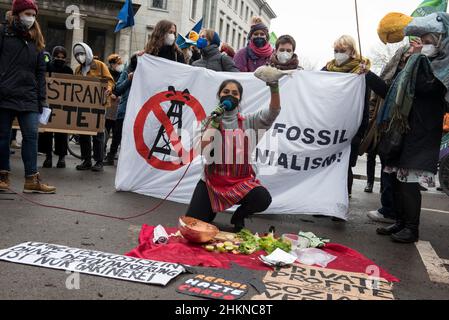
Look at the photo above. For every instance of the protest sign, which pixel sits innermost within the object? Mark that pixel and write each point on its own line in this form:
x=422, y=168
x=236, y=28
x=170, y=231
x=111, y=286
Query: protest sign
x=78, y=105
x=92, y=262
x=213, y=288
x=302, y=282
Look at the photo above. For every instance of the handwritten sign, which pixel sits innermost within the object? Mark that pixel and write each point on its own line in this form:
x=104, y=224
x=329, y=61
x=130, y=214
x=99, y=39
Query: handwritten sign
x=92, y=262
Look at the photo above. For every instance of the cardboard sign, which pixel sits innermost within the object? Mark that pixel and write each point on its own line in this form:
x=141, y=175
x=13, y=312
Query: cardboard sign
x=213, y=288
x=92, y=262
x=78, y=105
x=310, y=283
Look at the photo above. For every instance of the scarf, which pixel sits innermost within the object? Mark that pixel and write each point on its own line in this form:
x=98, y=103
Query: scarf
x=352, y=66
x=440, y=65
x=292, y=64
x=264, y=52
x=399, y=100
x=391, y=69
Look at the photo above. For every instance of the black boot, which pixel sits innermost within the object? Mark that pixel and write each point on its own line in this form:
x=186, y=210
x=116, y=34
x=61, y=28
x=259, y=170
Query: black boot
x=86, y=165
x=48, y=163
x=406, y=235
x=61, y=163
x=388, y=231
x=238, y=220
x=109, y=160
x=98, y=167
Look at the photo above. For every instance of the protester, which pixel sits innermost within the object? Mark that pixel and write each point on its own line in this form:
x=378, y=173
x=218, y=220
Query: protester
x=258, y=52
x=348, y=60
x=285, y=58
x=386, y=214
x=163, y=42
x=90, y=67
x=212, y=59
x=22, y=91
x=228, y=50
x=227, y=184
x=122, y=89
x=58, y=64
x=417, y=120
x=116, y=67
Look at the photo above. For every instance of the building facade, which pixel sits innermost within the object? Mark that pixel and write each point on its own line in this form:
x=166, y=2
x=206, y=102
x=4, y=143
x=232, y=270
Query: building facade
x=66, y=22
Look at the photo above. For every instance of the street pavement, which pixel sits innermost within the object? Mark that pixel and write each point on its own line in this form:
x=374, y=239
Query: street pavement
x=22, y=222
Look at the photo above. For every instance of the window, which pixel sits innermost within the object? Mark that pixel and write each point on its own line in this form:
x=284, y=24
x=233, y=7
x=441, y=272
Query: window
x=221, y=27
x=159, y=4
x=228, y=29
x=240, y=41
x=193, y=9
x=252, y=15
x=242, y=6
x=233, y=37
x=247, y=13
x=55, y=36
x=96, y=38
x=236, y=5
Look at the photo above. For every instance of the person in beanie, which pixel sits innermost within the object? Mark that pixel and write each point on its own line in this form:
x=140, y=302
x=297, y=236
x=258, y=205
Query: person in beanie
x=90, y=67
x=212, y=59
x=58, y=64
x=228, y=50
x=258, y=52
x=285, y=58
x=22, y=91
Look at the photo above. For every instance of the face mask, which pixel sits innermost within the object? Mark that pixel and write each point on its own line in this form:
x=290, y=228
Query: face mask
x=81, y=58
x=169, y=39
x=28, y=21
x=120, y=68
x=234, y=101
x=259, y=42
x=202, y=43
x=284, y=57
x=58, y=63
x=341, y=58
x=429, y=50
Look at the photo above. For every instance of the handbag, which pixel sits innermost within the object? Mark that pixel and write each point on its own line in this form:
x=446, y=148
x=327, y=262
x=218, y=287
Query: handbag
x=390, y=144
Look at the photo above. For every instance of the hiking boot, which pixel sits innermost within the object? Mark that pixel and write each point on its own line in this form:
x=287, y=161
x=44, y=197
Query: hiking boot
x=98, y=167
x=86, y=165
x=406, y=235
x=48, y=163
x=4, y=180
x=33, y=184
x=61, y=163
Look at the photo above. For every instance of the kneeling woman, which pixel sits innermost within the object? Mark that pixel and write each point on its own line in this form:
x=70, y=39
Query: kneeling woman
x=227, y=184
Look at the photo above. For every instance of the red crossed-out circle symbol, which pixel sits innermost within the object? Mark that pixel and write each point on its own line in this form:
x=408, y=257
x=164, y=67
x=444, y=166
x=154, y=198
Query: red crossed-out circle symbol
x=154, y=105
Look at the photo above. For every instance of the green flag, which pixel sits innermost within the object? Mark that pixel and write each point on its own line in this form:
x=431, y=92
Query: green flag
x=273, y=39
x=429, y=7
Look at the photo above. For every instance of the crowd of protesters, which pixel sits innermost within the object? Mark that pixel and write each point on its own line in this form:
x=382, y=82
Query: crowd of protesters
x=24, y=65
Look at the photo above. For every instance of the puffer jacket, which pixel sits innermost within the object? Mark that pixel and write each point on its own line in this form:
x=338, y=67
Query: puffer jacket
x=212, y=59
x=22, y=73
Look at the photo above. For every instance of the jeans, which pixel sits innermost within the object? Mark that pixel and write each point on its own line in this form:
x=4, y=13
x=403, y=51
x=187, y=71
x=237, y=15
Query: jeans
x=86, y=147
x=387, y=200
x=29, y=123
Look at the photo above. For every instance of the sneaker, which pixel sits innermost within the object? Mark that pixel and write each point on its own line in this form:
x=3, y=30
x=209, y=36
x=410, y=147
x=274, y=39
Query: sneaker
x=378, y=217
x=15, y=145
x=86, y=165
x=369, y=188
x=4, y=180
x=48, y=163
x=98, y=167
x=33, y=184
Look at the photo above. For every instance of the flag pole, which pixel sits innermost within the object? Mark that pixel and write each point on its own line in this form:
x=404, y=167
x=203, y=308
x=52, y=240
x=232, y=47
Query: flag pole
x=358, y=26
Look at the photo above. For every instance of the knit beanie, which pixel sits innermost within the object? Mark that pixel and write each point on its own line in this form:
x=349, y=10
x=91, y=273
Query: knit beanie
x=22, y=5
x=258, y=25
x=216, y=40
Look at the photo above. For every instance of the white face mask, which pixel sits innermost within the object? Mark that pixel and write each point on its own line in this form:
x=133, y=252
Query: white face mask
x=341, y=58
x=81, y=58
x=120, y=68
x=284, y=57
x=28, y=21
x=429, y=50
x=170, y=39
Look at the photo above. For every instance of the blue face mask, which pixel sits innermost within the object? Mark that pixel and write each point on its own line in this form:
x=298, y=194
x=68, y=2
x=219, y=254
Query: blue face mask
x=260, y=42
x=201, y=43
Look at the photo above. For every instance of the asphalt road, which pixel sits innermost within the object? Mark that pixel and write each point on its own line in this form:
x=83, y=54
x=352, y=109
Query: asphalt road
x=22, y=222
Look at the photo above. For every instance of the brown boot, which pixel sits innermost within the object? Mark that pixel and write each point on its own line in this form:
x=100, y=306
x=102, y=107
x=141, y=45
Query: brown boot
x=33, y=184
x=4, y=180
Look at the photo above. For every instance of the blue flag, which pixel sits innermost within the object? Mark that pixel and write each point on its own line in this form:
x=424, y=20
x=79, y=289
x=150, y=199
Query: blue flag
x=125, y=16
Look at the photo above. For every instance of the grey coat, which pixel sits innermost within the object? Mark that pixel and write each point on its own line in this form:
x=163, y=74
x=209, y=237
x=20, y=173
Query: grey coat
x=212, y=59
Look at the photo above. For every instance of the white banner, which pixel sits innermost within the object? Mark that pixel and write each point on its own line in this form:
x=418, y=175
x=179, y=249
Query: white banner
x=305, y=170
x=92, y=262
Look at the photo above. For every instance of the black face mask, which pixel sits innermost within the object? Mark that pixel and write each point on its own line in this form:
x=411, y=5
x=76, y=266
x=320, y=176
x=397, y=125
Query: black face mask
x=58, y=63
x=234, y=101
x=260, y=42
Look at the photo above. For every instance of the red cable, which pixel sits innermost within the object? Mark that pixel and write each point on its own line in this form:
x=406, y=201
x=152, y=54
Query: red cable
x=101, y=214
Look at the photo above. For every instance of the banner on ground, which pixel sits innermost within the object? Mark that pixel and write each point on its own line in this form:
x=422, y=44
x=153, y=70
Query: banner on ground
x=78, y=105
x=92, y=262
x=303, y=160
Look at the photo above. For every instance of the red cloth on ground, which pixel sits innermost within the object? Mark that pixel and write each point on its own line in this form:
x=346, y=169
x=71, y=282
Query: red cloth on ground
x=179, y=250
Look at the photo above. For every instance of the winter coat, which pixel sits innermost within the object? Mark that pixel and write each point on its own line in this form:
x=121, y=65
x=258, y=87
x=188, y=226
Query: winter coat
x=421, y=144
x=357, y=140
x=168, y=52
x=247, y=61
x=22, y=73
x=52, y=68
x=122, y=90
x=213, y=59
